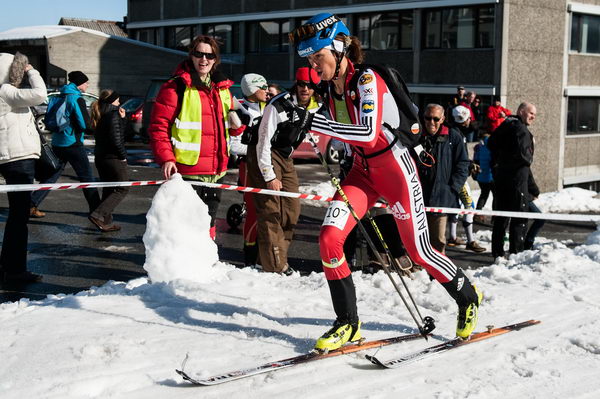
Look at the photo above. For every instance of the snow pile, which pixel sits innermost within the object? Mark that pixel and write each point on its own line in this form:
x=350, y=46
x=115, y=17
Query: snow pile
x=177, y=240
x=125, y=339
x=324, y=189
x=570, y=200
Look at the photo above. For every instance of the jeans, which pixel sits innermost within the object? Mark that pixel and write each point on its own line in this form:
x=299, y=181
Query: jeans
x=77, y=157
x=110, y=170
x=13, y=258
x=535, y=227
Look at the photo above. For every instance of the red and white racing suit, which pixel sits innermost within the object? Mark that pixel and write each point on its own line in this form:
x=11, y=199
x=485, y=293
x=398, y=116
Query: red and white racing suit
x=391, y=174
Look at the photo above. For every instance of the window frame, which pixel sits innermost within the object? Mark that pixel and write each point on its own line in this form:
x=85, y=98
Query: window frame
x=283, y=41
x=576, y=23
x=576, y=116
x=209, y=29
x=368, y=45
x=440, y=33
x=171, y=30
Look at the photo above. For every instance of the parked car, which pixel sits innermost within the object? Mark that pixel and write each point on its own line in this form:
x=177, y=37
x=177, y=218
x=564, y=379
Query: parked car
x=305, y=149
x=134, y=108
x=39, y=111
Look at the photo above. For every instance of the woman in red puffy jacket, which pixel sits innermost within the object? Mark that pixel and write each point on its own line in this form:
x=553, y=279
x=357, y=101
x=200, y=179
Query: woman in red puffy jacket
x=188, y=127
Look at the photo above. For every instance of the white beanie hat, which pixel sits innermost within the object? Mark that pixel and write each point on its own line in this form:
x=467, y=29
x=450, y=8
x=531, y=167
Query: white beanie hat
x=251, y=82
x=461, y=114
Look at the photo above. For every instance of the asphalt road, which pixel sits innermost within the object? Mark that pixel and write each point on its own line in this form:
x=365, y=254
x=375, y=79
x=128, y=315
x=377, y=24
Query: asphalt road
x=73, y=255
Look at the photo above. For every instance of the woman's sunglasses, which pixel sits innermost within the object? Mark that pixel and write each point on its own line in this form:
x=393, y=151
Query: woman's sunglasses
x=432, y=118
x=200, y=54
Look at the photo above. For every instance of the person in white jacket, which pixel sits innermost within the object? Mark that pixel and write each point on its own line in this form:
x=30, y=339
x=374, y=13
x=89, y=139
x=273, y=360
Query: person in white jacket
x=19, y=149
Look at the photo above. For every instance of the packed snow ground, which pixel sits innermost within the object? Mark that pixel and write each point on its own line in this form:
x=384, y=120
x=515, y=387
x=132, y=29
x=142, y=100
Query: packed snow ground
x=125, y=339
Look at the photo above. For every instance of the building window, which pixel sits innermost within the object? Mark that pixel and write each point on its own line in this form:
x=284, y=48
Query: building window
x=389, y=31
x=180, y=37
x=585, y=33
x=268, y=36
x=147, y=36
x=461, y=27
x=227, y=36
x=583, y=115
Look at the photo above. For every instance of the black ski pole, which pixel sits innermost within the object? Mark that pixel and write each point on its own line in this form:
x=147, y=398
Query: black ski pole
x=428, y=322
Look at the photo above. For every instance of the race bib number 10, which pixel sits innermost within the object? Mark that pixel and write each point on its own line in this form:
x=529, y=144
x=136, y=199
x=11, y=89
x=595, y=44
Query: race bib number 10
x=337, y=215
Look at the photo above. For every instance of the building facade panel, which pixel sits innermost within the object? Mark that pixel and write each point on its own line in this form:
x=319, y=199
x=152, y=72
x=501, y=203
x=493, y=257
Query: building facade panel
x=180, y=9
x=211, y=8
x=584, y=70
x=267, y=5
x=457, y=66
x=143, y=10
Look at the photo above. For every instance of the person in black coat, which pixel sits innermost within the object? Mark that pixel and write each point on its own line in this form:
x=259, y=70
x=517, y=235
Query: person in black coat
x=111, y=156
x=511, y=146
x=443, y=171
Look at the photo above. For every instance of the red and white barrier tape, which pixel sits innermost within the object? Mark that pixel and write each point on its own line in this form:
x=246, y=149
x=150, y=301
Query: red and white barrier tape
x=312, y=197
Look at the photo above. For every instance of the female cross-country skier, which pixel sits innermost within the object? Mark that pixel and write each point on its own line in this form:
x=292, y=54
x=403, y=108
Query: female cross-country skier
x=362, y=111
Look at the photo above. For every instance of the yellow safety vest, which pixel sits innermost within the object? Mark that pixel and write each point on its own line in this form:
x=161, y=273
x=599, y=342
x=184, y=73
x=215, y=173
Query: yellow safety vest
x=186, y=132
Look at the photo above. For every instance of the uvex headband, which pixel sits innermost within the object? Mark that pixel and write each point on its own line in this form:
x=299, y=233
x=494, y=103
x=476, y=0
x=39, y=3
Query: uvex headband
x=308, y=31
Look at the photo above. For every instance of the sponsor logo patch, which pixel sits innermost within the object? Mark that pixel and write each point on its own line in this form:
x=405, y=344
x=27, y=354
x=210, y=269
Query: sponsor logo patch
x=305, y=52
x=365, y=79
x=326, y=23
x=368, y=106
x=460, y=282
x=368, y=90
x=414, y=129
x=352, y=95
x=399, y=212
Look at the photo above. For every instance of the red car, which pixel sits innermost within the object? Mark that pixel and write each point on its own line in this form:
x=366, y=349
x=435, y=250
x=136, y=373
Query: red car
x=306, y=151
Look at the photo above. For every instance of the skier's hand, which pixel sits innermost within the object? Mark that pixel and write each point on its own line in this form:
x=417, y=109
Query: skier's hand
x=169, y=169
x=275, y=185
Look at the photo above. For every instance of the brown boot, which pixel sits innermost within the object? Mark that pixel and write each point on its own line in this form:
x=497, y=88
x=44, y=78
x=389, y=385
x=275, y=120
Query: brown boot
x=34, y=212
x=103, y=227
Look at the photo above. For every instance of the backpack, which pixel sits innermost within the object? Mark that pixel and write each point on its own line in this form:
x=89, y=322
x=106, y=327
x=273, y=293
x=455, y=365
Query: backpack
x=56, y=118
x=409, y=131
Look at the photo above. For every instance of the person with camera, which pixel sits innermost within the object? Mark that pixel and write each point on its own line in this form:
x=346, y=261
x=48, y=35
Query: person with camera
x=19, y=150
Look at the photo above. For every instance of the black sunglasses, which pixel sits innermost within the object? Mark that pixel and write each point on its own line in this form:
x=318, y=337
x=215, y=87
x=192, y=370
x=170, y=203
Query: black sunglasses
x=432, y=118
x=200, y=54
x=302, y=83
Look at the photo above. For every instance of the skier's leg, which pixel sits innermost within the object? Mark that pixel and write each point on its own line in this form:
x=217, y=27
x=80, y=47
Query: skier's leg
x=406, y=201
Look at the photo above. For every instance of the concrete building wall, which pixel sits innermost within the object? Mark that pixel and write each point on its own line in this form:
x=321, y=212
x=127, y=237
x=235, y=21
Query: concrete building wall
x=584, y=70
x=534, y=73
x=111, y=63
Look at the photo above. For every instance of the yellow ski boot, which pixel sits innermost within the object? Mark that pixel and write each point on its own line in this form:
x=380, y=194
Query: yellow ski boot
x=467, y=317
x=340, y=334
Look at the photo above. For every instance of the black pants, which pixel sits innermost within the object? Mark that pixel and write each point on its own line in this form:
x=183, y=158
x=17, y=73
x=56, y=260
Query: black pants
x=110, y=170
x=13, y=258
x=77, y=157
x=211, y=197
x=511, y=195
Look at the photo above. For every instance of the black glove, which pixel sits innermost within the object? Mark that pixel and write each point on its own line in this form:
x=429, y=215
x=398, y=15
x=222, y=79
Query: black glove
x=304, y=119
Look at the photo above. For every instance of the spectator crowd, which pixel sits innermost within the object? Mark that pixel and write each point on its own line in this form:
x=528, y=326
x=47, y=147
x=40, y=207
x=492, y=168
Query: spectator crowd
x=196, y=124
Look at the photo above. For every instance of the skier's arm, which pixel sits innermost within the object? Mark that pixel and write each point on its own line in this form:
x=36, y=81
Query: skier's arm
x=266, y=130
x=364, y=134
